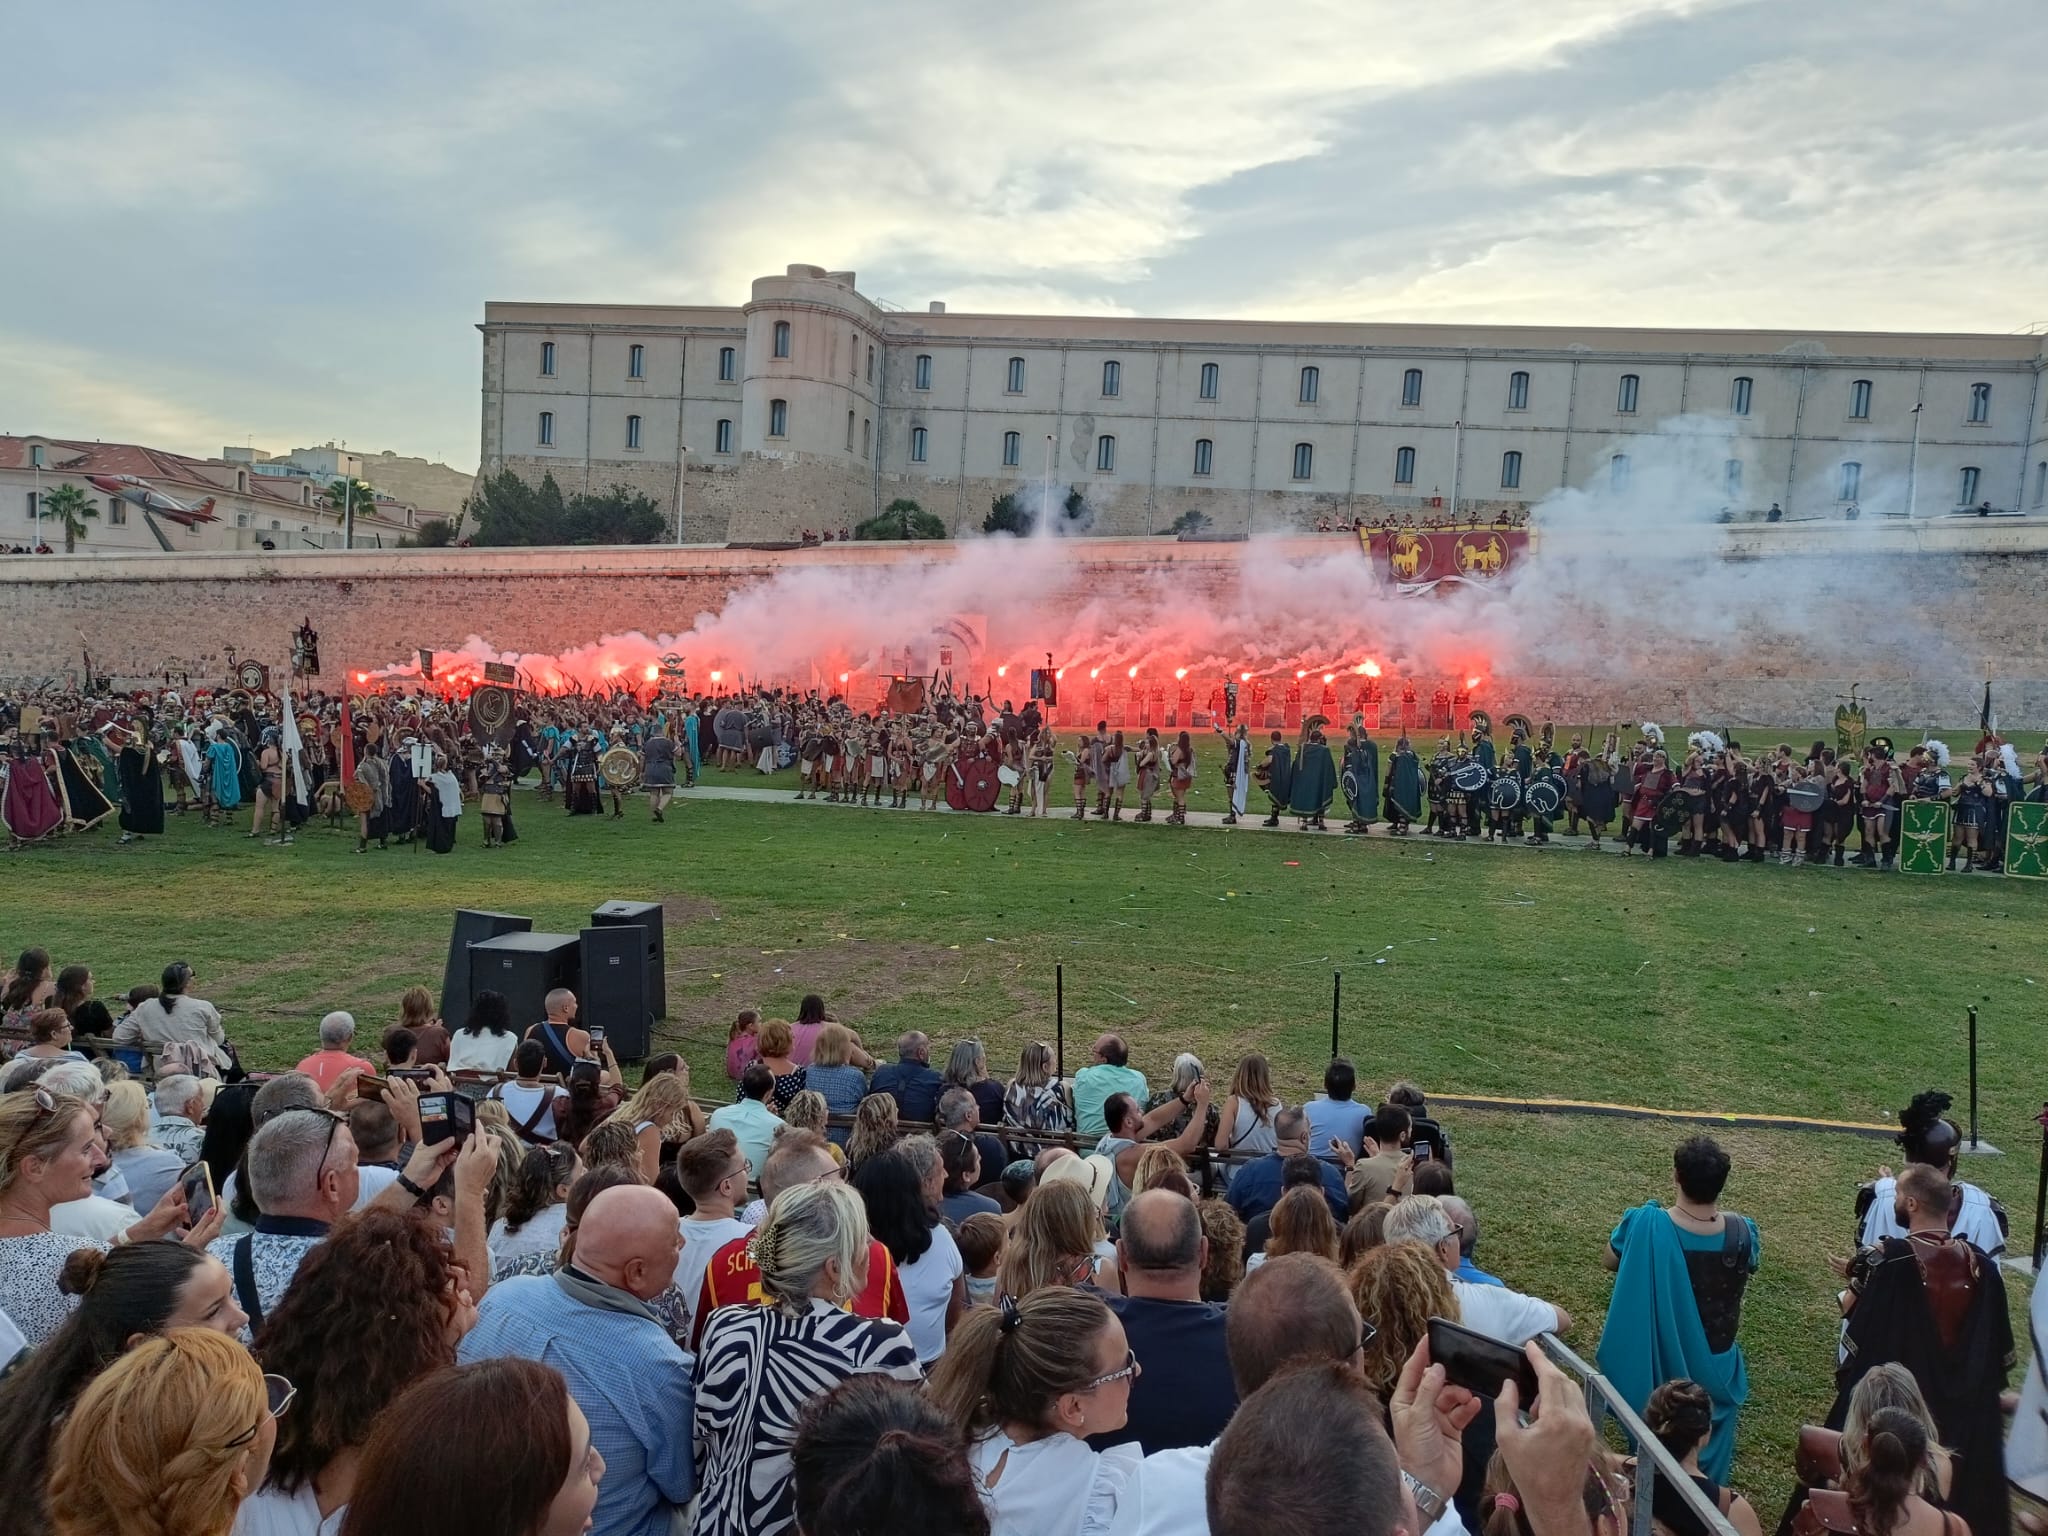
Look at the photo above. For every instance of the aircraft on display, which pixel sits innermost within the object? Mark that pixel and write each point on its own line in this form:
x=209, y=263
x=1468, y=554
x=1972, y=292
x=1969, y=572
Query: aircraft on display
x=150, y=499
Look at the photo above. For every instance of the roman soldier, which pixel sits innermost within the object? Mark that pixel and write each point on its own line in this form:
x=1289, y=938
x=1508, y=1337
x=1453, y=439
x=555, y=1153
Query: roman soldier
x=1277, y=774
x=1403, y=788
x=1148, y=756
x=1361, y=777
x=1314, y=782
x=1180, y=774
x=1237, y=770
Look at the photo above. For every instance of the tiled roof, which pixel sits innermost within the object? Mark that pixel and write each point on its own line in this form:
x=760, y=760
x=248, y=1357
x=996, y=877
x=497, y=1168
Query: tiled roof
x=66, y=456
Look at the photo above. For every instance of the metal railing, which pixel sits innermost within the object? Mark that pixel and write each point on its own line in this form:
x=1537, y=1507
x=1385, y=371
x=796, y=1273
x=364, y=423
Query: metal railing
x=1652, y=1461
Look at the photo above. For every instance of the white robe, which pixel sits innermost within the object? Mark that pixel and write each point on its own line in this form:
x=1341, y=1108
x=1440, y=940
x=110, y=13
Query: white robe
x=1241, y=785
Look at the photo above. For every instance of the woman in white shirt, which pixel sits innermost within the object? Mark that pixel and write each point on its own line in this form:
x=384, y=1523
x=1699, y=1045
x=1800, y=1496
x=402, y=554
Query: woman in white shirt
x=901, y=1190
x=1032, y=1380
x=485, y=1041
x=536, y=1207
x=1246, y=1125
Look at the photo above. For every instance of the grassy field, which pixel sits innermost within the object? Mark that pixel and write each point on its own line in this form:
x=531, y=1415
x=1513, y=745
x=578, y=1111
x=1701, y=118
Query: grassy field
x=1672, y=984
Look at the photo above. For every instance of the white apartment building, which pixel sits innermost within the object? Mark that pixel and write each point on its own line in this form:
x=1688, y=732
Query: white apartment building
x=810, y=406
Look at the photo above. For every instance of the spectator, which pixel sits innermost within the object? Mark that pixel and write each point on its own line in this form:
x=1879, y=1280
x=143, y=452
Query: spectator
x=759, y=1365
x=230, y=1122
x=909, y=1079
x=1186, y=1397
x=49, y=1037
x=1056, y=1241
x=1336, y=1116
x=591, y=1322
x=1468, y=1235
x=1301, y=1223
x=302, y=1176
x=1365, y=1231
x=1033, y=1381
x=962, y=1163
x=1493, y=1310
x=429, y=1034
x=981, y=1238
x=714, y=1175
x=1123, y=1143
x=661, y=1111
x=385, y=1278
x=959, y=1111
x=967, y=1067
x=733, y=1279
x=129, y=1294
x=874, y=1456
x=325, y=1066
x=774, y=1045
x=1881, y=1472
x=1390, y=1161
x=1258, y=1185
x=1187, y=1071
x=1677, y=1300
x=28, y=989
x=1246, y=1124
x=900, y=1190
x=752, y=1123
x=809, y=1112
x=613, y=1145
x=525, y=1463
x=1892, y=1386
x=486, y=1039
x=1432, y=1178
x=564, y=1041
x=180, y=1106
x=536, y=1207
x=741, y=1042
x=1159, y=1166
x=1400, y=1287
x=399, y=1044
x=1038, y=1098
x=48, y=1150
x=664, y=1061
x=529, y=1102
x=1223, y=1263
x=173, y=1017
x=874, y=1130
x=1298, y=1171
x=167, y=1441
x=74, y=994
x=1681, y=1414
x=812, y=1021
x=586, y=1103
x=831, y=1073
x=1108, y=1072
x=124, y=1123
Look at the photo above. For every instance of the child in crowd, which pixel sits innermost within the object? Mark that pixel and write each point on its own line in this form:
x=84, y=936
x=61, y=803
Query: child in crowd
x=981, y=1249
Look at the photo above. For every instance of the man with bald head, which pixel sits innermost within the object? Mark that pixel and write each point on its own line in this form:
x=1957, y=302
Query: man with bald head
x=1185, y=1396
x=590, y=1321
x=1108, y=1072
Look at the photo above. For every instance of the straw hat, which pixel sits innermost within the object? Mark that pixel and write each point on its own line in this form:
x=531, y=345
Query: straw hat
x=1095, y=1173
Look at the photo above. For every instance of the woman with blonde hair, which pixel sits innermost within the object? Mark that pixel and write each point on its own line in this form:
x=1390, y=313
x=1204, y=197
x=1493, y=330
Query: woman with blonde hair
x=1155, y=1163
x=168, y=1441
x=1892, y=1386
x=1246, y=1124
x=1038, y=1098
x=613, y=1145
x=835, y=1075
x=124, y=1122
x=809, y=1112
x=661, y=1111
x=1053, y=1241
x=430, y=1035
x=1300, y=1223
x=1399, y=1287
x=874, y=1129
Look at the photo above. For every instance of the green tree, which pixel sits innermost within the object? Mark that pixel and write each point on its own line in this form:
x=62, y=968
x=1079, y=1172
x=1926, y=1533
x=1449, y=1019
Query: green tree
x=1188, y=523
x=901, y=519
x=71, y=507
x=506, y=510
x=434, y=533
x=616, y=516
x=340, y=495
x=1006, y=515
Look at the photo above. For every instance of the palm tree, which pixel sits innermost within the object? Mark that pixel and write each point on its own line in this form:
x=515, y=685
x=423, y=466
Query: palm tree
x=343, y=494
x=71, y=507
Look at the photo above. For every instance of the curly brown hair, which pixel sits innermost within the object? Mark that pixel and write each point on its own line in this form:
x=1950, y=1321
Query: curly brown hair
x=1225, y=1264
x=1399, y=1287
x=368, y=1313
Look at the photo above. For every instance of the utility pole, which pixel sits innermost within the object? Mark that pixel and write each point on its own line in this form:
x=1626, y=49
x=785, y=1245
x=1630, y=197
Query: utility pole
x=1913, y=468
x=1046, y=514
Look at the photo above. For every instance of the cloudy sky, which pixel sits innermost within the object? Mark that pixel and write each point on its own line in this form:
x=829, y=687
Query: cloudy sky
x=246, y=222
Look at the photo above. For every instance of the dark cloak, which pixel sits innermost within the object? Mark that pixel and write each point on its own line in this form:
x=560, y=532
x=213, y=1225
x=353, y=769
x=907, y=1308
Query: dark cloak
x=405, y=795
x=1280, y=781
x=84, y=804
x=1362, y=779
x=142, y=790
x=1404, y=785
x=1314, y=783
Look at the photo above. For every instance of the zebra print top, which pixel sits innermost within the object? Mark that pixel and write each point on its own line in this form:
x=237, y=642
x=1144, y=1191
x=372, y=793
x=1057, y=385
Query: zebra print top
x=756, y=1368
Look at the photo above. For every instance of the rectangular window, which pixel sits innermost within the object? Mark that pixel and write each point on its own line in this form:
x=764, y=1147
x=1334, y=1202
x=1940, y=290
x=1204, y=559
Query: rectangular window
x=1738, y=396
x=1731, y=478
x=35, y=456
x=632, y=431
x=636, y=361
x=2040, y=485
x=1518, y=391
x=867, y=433
x=1411, y=387
x=1404, y=466
x=778, y=418
x=1205, y=455
x=547, y=359
x=241, y=519
x=1311, y=385
x=782, y=338
x=1511, y=471
x=547, y=429
x=1015, y=386
x=1112, y=378
x=871, y=365
x=1852, y=481
x=117, y=512
x=1859, y=400
x=1625, y=397
x=1304, y=461
x=728, y=364
x=724, y=438
x=1013, y=449
x=917, y=445
x=32, y=499
x=849, y=431
x=921, y=375
x=1212, y=379
x=1105, y=454
x=1617, y=472
x=1980, y=405
x=1969, y=487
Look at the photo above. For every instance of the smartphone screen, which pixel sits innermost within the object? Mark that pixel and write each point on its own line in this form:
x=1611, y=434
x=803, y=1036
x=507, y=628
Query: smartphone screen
x=597, y=1034
x=437, y=1118
x=1420, y=1151
x=1480, y=1364
x=197, y=1181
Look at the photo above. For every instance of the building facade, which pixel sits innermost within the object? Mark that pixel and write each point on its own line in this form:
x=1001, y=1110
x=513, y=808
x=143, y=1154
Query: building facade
x=430, y=488
x=811, y=407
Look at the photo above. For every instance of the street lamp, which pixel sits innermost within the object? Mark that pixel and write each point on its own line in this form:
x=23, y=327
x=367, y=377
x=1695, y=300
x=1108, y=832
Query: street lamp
x=1913, y=468
x=1045, y=510
x=682, y=459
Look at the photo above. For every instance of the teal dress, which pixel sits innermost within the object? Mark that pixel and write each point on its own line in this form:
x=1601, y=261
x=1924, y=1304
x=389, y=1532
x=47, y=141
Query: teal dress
x=224, y=767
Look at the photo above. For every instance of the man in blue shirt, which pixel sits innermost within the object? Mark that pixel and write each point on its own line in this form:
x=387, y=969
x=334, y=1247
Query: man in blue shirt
x=1337, y=1116
x=1257, y=1186
x=591, y=1322
x=910, y=1080
x=1468, y=1239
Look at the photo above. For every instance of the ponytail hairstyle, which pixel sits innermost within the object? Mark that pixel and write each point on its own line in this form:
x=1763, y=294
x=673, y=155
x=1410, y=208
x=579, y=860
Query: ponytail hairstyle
x=874, y=1457
x=1680, y=1415
x=541, y=1172
x=1012, y=1362
x=1500, y=1505
x=1881, y=1471
x=175, y=977
x=808, y=1225
x=29, y=972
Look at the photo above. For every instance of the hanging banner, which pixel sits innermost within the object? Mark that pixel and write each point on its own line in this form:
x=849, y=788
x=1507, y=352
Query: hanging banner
x=1414, y=561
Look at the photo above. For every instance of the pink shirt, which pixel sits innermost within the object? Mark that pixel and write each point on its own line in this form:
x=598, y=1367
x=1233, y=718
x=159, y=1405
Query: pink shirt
x=739, y=1054
x=803, y=1040
x=324, y=1067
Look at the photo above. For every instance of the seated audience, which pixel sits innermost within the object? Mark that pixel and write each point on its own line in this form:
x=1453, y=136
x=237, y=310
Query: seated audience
x=430, y=1040
x=1056, y=1240
x=1108, y=1072
x=180, y=1107
x=1366, y=1229
x=774, y=1043
x=958, y=1111
x=1493, y=1310
x=1336, y=1116
x=1124, y=1143
x=875, y=1457
x=714, y=1175
x=661, y=1111
x=961, y=1159
x=1389, y=1163
x=1257, y=1185
x=909, y=1079
x=325, y=1066
x=1038, y=1098
x=530, y=1104
x=967, y=1068
x=832, y=1074
x=486, y=1040
x=741, y=1042
x=752, y=1123
x=124, y=1126
x=1186, y=1396
x=536, y=1205
x=981, y=1238
x=49, y=1037
x=1468, y=1237
x=1223, y=1264
x=1300, y=1223
x=874, y=1130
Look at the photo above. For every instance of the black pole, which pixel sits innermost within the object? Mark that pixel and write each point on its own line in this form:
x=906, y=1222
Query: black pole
x=1973, y=1078
x=1059, y=1016
x=2041, y=1194
x=1336, y=1004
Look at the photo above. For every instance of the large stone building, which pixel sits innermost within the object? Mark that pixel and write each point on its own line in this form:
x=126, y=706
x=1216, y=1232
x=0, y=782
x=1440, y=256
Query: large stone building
x=811, y=406
x=432, y=489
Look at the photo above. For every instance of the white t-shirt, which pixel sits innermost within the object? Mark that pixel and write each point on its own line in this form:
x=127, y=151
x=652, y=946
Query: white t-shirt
x=1173, y=1497
x=95, y=1217
x=487, y=1052
x=701, y=1239
x=519, y=1103
x=373, y=1180
x=928, y=1291
x=270, y=1513
x=1502, y=1314
x=1058, y=1486
x=543, y=1234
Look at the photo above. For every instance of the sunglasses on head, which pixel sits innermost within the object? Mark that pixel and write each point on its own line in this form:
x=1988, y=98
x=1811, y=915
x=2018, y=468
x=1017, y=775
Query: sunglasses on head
x=277, y=1397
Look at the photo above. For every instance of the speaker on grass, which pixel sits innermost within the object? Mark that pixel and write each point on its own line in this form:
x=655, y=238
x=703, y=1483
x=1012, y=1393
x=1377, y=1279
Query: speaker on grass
x=471, y=927
x=647, y=915
x=613, y=992
x=525, y=967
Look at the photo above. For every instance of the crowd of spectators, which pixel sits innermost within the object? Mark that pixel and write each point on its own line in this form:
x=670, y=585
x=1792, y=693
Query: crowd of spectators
x=864, y=1297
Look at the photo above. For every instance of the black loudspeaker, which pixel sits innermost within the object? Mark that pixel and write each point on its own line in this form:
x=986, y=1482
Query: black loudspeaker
x=526, y=967
x=645, y=915
x=613, y=990
x=470, y=928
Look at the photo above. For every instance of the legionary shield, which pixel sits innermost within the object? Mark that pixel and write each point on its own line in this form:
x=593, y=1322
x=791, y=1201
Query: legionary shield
x=1924, y=836
x=2026, y=840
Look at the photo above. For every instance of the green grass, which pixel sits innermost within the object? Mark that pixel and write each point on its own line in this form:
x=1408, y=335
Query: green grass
x=1674, y=984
